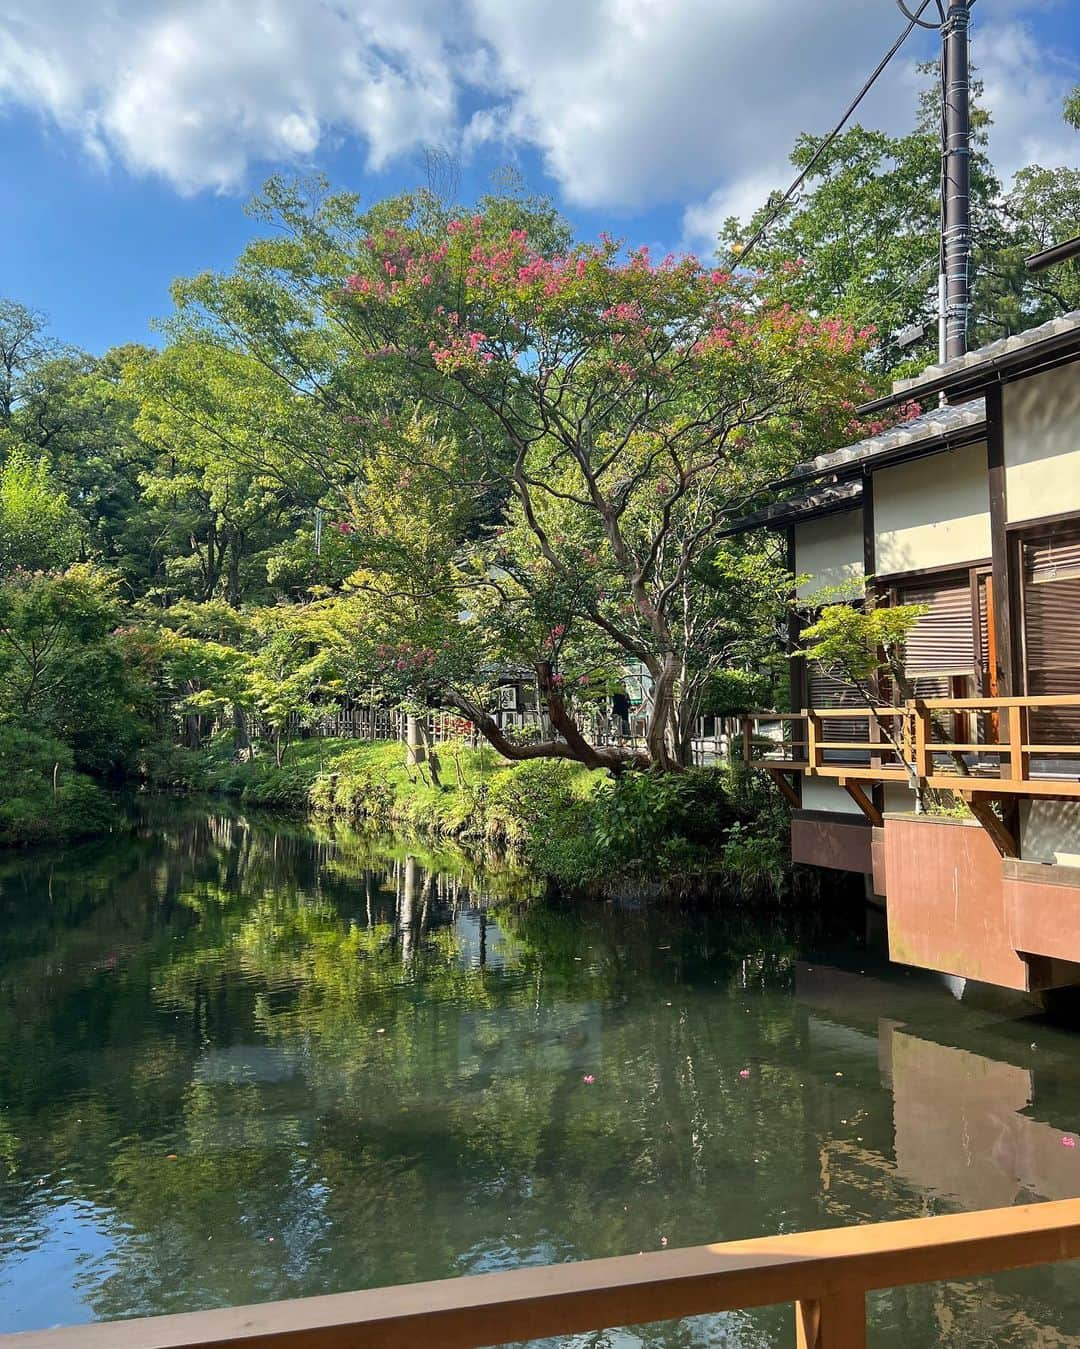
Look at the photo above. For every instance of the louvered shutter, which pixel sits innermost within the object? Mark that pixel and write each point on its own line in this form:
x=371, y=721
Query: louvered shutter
x=1052, y=631
x=943, y=642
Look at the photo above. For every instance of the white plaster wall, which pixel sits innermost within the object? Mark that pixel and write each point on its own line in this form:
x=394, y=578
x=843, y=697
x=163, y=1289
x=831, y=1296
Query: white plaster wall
x=1050, y=832
x=1042, y=443
x=932, y=512
x=824, y=794
x=829, y=552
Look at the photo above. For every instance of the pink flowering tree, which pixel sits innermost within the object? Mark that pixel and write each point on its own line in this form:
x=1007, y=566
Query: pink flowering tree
x=620, y=411
x=537, y=445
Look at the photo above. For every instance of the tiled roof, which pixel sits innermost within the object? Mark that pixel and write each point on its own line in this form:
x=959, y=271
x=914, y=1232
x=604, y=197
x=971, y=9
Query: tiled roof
x=836, y=496
x=1005, y=346
x=928, y=426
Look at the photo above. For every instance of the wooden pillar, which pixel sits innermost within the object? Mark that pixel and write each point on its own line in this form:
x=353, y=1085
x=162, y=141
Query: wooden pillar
x=1007, y=672
x=796, y=661
x=1005, y=645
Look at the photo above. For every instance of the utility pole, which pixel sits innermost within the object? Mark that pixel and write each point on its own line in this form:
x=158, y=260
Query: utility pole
x=954, y=268
x=955, y=179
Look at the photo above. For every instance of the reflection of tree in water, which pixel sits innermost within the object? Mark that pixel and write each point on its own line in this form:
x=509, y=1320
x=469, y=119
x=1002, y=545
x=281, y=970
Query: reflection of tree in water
x=368, y=1065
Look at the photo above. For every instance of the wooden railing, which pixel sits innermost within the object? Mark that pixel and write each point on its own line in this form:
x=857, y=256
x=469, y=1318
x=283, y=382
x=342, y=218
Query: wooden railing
x=827, y=1275
x=947, y=743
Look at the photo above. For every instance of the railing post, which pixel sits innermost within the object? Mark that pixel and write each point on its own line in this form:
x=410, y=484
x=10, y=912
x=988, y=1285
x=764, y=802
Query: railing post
x=813, y=735
x=1018, y=738
x=747, y=739
x=835, y=1320
x=924, y=735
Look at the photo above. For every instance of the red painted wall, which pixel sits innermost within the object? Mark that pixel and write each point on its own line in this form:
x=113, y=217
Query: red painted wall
x=946, y=902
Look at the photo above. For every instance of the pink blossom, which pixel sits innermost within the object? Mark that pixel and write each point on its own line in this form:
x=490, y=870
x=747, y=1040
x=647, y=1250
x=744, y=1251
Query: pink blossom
x=588, y=1079
x=1068, y=1142
x=744, y=1072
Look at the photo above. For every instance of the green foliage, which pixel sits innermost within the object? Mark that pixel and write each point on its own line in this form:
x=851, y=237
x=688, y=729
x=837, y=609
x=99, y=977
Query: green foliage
x=854, y=644
x=756, y=859
x=732, y=692
x=1072, y=108
x=862, y=238
x=43, y=799
x=38, y=529
x=67, y=669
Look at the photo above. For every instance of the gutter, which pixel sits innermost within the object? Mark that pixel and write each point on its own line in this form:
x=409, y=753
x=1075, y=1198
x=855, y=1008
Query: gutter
x=1048, y=257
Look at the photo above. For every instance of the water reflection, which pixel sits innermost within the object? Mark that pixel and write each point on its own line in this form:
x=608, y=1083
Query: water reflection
x=242, y=1060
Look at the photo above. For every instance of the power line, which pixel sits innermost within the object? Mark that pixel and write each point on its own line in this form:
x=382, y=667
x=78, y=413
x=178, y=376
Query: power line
x=755, y=238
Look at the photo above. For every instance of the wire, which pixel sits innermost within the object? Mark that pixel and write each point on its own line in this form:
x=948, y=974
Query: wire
x=755, y=238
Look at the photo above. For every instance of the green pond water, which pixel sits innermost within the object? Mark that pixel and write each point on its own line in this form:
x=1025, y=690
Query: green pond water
x=243, y=1059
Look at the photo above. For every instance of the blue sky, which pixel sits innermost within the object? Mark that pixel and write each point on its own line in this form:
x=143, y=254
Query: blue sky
x=131, y=133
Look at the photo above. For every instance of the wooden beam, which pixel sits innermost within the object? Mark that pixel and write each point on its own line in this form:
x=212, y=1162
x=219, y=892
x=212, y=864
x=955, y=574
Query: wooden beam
x=1002, y=838
x=855, y=791
x=823, y=1267
x=784, y=787
x=1000, y=544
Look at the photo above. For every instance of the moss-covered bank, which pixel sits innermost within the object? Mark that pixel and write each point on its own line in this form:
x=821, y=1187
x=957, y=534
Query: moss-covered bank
x=680, y=834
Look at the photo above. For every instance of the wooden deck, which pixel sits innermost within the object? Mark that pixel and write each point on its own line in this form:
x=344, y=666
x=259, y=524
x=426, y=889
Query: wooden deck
x=826, y=1274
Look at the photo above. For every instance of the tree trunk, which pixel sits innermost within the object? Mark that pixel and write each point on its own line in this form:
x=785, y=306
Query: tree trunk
x=658, y=732
x=241, y=739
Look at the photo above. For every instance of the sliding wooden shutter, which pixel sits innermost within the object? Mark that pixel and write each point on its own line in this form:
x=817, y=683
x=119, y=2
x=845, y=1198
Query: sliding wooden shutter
x=1051, y=578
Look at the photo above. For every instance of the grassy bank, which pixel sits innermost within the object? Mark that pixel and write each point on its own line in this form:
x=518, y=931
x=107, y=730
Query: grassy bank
x=677, y=833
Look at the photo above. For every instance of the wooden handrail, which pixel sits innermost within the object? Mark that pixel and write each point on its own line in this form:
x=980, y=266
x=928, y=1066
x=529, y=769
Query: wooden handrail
x=827, y=1274
x=922, y=751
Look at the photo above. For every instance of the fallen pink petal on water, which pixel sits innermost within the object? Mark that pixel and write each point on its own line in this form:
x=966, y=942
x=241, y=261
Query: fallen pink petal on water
x=744, y=1072
x=588, y=1079
x=1068, y=1142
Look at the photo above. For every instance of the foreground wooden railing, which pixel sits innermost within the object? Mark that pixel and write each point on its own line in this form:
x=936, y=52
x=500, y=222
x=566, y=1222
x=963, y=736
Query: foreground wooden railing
x=990, y=737
x=826, y=1274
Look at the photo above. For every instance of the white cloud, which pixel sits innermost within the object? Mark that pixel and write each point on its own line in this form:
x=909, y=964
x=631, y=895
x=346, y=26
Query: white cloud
x=196, y=90
x=628, y=102
x=1025, y=82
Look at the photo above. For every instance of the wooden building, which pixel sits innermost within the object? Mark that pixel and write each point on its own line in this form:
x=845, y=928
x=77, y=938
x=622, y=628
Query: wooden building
x=971, y=509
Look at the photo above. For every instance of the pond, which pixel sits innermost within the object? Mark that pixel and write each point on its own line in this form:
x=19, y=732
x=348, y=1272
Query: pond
x=243, y=1059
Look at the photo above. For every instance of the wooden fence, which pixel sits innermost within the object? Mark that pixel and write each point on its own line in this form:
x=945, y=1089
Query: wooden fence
x=712, y=743
x=826, y=1274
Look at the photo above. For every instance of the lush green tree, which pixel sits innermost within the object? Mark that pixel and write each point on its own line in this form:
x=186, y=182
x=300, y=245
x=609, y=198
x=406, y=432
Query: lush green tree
x=225, y=488
x=862, y=239
x=38, y=529
x=24, y=346
x=67, y=669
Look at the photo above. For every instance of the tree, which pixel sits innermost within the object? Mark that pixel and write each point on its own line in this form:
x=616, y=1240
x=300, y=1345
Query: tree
x=1072, y=108
x=588, y=420
x=866, y=232
x=24, y=346
x=38, y=529
x=621, y=411
x=225, y=488
x=864, y=235
x=67, y=669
